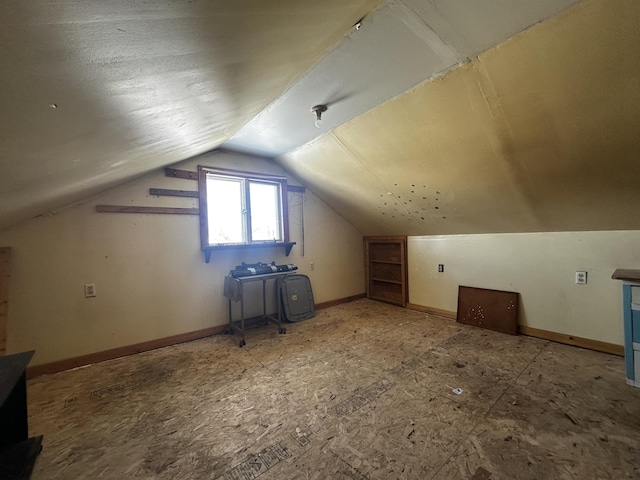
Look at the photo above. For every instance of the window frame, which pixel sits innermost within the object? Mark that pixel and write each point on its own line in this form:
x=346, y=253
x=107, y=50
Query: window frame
x=247, y=177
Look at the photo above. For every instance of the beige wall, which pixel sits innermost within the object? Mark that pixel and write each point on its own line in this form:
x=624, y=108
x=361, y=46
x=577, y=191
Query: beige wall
x=150, y=275
x=540, y=266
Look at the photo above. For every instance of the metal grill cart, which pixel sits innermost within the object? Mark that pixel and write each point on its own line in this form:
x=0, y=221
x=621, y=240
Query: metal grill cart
x=234, y=291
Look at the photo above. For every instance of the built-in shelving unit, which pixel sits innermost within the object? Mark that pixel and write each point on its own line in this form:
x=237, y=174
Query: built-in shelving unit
x=386, y=269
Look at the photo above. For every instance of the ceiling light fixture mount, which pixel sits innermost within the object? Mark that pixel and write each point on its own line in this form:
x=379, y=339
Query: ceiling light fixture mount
x=318, y=110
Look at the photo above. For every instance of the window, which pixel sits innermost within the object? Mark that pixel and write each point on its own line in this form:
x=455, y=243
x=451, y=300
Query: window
x=241, y=208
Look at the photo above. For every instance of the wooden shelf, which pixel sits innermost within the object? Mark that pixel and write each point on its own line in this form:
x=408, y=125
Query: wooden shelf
x=146, y=210
x=209, y=250
x=385, y=280
x=386, y=269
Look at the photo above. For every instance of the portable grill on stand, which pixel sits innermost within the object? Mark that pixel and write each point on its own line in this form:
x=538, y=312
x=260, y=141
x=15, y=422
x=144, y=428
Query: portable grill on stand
x=250, y=269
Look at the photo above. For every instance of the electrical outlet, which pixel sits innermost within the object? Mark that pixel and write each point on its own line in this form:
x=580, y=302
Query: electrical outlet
x=581, y=278
x=89, y=290
x=312, y=266
x=440, y=267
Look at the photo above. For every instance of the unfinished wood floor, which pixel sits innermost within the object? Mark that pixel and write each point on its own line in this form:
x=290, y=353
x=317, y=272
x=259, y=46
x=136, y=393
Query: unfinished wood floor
x=361, y=391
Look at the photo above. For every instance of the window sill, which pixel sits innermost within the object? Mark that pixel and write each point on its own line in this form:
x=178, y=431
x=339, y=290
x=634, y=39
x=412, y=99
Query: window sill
x=286, y=245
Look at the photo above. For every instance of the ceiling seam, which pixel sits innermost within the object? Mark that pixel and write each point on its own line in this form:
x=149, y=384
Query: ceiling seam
x=358, y=158
x=504, y=138
x=441, y=47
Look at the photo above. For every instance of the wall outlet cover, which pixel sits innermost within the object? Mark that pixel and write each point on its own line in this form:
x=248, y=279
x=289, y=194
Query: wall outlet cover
x=89, y=290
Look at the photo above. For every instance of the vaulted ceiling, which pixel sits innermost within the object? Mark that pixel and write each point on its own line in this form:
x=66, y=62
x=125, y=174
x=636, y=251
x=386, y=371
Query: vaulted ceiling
x=96, y=93
x=457, y=116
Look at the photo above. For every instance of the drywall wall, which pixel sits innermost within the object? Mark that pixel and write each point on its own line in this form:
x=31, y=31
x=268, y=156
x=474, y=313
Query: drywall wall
x=540, y=266
x=150, y=275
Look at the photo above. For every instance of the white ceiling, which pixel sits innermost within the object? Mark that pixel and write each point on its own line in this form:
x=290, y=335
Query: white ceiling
x=96, y=93
x=400, y=45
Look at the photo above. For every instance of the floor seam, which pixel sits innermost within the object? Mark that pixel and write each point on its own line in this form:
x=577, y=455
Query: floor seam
x=516, y=379
x=484, y=415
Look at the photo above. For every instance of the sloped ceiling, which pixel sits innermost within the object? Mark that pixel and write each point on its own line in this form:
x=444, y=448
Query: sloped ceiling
x=432, y=128
x=400, y=45
x=541, y=133
x=95, y=93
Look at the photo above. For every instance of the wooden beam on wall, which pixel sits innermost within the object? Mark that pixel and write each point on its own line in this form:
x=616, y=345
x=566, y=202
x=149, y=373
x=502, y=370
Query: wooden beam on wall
x=163, y=192
x=587, y=343
x=75, y=362
x=138, y=209
x=68, y=363
x=5, y=265
x=432, y=311
x=174, y=172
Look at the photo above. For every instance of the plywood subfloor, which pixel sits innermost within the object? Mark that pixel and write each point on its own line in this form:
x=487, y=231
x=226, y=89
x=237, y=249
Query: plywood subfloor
x=361, y=391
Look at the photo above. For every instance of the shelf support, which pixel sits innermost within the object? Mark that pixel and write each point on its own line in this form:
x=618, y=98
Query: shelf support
x=208, y=250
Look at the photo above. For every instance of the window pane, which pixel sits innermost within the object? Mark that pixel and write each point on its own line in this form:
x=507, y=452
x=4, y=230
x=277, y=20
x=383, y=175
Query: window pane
x=225, y=209
x=265, y=212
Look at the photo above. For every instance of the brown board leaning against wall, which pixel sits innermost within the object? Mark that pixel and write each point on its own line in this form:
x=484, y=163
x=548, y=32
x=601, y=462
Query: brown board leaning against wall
x=491, y=309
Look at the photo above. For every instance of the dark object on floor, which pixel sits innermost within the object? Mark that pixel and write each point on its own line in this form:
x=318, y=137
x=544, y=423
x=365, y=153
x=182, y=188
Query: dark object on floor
x=17, y=460
x=491, y=309
x=297, y=298
x=18, y=452
x=481, y=474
